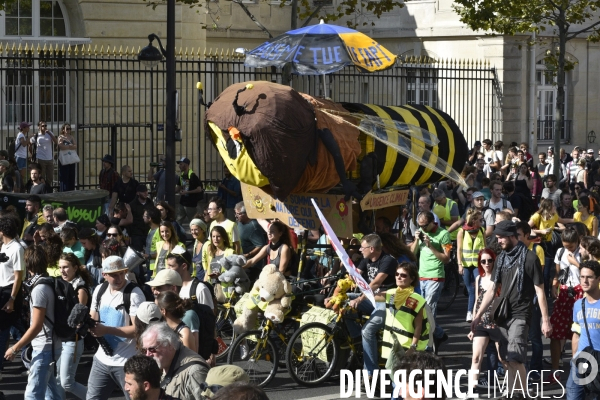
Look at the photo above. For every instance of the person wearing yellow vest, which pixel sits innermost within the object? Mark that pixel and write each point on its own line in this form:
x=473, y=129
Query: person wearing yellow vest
x=216, y=212
x=451, y=211
x=405, y=316
x=470, y=240
x=34, y=218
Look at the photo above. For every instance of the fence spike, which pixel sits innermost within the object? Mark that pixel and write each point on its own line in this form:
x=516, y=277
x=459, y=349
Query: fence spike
x=19, y=48
x=2, y=47
x=121, y=51
x=26, y=49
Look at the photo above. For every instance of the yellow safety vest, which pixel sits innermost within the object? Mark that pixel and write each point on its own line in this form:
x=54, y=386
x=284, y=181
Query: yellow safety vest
x=449, y=204
x=400, y=323
x=471, y=248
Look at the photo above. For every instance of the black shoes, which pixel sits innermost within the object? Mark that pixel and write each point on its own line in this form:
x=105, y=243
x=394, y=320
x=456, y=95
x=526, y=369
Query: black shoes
x=438, y=341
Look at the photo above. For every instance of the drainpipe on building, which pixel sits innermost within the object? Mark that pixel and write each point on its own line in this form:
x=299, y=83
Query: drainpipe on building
x=532, y=95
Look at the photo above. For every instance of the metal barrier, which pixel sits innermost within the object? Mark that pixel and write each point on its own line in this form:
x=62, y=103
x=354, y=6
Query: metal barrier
x=117, y=106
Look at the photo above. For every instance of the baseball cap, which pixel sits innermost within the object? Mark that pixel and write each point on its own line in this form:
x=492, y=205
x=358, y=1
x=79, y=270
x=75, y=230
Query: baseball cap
x=112, y=264
x=221, y=376
x=148, y=312
x=591, y=151
x=166, y=277
x=478, y=194
x=505, y=228
x=24, y=125
x=4, y=163
x=104, y=220
x=184, y=160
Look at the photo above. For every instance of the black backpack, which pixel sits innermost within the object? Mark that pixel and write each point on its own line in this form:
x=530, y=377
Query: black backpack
x=211, y=289
x=126, y=296
x=65, y=299
x=208, y=344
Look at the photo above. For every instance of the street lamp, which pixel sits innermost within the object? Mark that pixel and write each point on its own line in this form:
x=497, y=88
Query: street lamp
x=151, y=56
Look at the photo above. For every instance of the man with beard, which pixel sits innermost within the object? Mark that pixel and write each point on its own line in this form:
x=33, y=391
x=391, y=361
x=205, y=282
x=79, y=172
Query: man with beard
x=35, y=185
x=551, y=191
x=33, y=218
x=521, y=276
x=183, y=369
x=109, y=303
x=142, y=379
x=138, y=230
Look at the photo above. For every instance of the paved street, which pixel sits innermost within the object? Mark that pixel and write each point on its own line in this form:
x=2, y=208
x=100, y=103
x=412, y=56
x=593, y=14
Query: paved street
x=456, y=353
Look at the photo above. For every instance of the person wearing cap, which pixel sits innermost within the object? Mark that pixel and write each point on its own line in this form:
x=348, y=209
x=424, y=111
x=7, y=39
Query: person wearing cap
x=147, y=313
x=142, y=379
x=21, y=148
x=519, y=272
x=489, y=217
x=35, y=185
x=107, y=178
x=118, y=330
x=138, y=230
x=252, y=239
x=222, y=376
x=102, y=225
x=124, y=191
x=183, y=370
x=191, y=190
x=6, y=181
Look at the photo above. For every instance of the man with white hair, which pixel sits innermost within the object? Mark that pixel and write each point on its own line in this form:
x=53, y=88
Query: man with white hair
x=183, y=370
x=115, y=302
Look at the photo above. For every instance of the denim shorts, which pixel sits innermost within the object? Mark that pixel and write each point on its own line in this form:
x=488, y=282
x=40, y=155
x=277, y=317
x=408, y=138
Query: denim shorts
x=21, y=163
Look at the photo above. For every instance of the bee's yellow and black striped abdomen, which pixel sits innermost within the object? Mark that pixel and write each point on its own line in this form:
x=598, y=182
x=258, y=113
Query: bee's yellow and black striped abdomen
x=399, y=170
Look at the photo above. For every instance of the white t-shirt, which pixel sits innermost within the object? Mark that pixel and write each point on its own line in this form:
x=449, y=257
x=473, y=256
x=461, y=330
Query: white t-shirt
x=16, y=262
x=202, y=294
x=564, y=263
x=44, y=146
x=21, y=151
x=123, y=348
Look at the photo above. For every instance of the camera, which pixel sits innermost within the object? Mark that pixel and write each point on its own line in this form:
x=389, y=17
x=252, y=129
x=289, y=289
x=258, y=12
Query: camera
x=81, y=320
x=3, y=258
x=157, y=165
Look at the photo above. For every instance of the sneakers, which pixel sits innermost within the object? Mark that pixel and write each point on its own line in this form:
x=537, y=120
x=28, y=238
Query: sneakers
x=438, y=341
x=552, y=379
x=483, y=383
x=548, y=360
x=534, y=376
x=469, y=316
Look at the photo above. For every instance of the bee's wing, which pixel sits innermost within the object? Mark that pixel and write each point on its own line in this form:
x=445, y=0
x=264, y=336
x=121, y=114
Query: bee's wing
x=405, y=146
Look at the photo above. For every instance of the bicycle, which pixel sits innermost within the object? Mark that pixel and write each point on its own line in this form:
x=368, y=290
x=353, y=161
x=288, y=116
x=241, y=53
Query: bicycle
x=316, y=351
x=224, y=326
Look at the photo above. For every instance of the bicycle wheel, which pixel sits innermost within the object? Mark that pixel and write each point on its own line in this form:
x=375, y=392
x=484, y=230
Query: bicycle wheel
x=450, y=290
x=312, y=354
x=225, y=333
x=256, y=355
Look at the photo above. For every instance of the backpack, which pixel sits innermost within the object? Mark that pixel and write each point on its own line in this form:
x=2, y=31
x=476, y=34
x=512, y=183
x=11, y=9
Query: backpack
x=486, y=206
x=208, y=344
x=65, y=299
x=211, y=289
x=126, y=296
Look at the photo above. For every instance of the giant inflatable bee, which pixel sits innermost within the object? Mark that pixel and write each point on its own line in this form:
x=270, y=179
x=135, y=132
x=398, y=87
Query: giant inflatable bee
x=283, y=141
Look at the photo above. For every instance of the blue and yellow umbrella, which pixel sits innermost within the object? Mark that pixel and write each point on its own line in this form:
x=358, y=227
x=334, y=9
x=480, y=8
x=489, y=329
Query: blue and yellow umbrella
x=321, y=49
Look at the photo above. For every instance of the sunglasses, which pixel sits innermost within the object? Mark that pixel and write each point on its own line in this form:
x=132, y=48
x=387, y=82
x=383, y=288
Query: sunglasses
x=44, y=126
x=67, y=129
x=150, y=349
x=401, y=275
x=577, y=188
x=487, y=261
x=112, y=234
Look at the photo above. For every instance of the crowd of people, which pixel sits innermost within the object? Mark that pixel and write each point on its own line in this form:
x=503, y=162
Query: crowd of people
x=518, y=231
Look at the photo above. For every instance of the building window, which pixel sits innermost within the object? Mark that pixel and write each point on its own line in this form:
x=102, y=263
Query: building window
x=35, y=18
x=546, y=105
x=421, y=86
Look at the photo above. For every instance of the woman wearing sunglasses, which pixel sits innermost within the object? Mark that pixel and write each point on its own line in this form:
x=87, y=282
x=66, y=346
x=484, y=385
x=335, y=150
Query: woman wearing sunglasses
x=469, y=242
x=408, y=315
x=487, y=330
x=43, y=143
x=115, y=232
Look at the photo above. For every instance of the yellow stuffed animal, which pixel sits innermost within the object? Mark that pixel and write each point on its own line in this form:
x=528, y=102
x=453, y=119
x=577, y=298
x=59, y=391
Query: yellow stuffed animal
x=339, y=295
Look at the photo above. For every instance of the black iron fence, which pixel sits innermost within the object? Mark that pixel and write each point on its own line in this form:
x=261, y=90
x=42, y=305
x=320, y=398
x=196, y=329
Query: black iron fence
x=546, y=129
x=117, y=106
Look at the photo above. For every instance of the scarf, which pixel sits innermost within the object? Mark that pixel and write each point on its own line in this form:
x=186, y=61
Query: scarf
x=514, y=257
x=401, y=295
x=275, y=246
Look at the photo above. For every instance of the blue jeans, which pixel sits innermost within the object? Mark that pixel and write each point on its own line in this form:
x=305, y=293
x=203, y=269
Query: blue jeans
x=575, y=391
x=369, y=331
x=469, y=275
x=104, y=379
x=535, y=337
x=431, y=291
x=41, y=383
x=67, y=368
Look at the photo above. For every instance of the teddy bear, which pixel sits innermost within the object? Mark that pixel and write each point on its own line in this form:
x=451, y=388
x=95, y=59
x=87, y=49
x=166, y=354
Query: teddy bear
x=234, y=279
x=339, y=295
x=271, y=294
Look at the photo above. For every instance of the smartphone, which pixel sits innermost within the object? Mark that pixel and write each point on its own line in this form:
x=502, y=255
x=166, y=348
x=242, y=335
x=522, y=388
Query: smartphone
x=421, y=236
